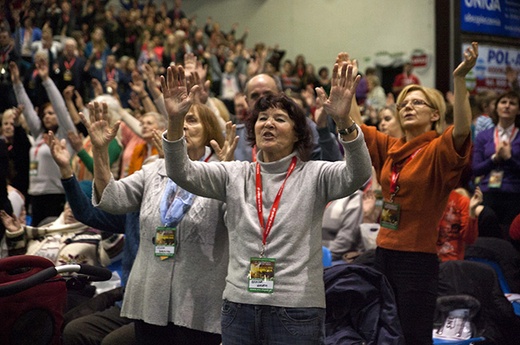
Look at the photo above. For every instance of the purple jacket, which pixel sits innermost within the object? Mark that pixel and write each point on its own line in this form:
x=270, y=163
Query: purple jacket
x=482, y=164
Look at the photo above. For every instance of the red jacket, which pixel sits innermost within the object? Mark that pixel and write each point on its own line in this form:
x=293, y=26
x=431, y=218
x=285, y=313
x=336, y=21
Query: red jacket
x=456, y=228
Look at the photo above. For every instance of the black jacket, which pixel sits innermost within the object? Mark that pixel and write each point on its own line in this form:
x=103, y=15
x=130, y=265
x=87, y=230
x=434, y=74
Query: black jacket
x=360, y=307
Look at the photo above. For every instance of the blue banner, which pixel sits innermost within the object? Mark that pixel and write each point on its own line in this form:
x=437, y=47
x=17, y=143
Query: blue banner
x=491, y=17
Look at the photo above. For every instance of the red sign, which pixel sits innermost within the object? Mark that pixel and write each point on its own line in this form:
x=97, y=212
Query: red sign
x=419, y=61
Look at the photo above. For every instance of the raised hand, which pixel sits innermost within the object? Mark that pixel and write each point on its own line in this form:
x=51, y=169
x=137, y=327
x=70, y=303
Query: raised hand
x=75, y=140
x=226, y=153
x=345, y=57
x=68, y=92
x=15, y=72
x=309, y=96
x=470, y=59
x=343, y=89
x=320, y=117
x=97, y=87
x=157, y=142
x=176, y=97
x=99, y=130
x=149, y=75
x=203, y=94
x=79, y=100
x=17, y=112
x=193, y=65
x=59, y=151
x=137, y=83
x=43, y=68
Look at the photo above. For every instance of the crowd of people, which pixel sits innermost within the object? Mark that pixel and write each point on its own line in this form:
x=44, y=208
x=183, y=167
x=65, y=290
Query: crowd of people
x=228, y=167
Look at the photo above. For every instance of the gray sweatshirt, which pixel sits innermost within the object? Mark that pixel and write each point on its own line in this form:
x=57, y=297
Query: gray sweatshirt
x=47, y=178
x=295, y=238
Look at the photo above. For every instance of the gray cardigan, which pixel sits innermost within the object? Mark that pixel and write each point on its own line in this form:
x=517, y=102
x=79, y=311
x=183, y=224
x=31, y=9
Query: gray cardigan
x=295, y=239
x=186, y=289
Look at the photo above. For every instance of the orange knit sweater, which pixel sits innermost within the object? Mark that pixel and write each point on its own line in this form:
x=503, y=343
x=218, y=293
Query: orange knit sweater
x=425, y=183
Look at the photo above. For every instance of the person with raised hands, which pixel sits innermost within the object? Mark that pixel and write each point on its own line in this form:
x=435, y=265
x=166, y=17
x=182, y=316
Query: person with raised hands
x=274, y=285
x=417, y=172
x=47, y=196
x=174, y=289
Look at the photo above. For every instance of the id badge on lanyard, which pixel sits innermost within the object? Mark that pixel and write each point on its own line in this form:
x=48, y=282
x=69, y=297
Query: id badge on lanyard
x=33, y=164
x=165, y=242
x=391, y=213
x=261, y=275
x=495, y=179
x=262, y=269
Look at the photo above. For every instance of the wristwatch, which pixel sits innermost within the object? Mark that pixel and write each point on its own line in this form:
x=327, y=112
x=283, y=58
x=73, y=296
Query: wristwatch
x=349, y=130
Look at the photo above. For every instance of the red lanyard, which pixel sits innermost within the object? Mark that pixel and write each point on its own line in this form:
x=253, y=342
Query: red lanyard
x=511, y=138
x=396, y=171
x=259, y=207
x=110, y=74
x=38, y=148
x=69, y=65
x=208, y=157
x=5, y=53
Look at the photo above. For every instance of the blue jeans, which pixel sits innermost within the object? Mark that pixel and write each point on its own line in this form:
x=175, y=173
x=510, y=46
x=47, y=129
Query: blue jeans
x=249, y=324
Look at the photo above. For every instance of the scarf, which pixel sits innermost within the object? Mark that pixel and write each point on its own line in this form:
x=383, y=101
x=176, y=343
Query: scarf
x=176, y=202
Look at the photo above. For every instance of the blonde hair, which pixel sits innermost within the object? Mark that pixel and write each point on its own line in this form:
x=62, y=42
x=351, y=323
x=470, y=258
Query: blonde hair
x=434, y=98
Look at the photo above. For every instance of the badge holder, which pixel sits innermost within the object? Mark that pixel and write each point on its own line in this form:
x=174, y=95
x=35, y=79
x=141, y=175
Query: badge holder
x=261, y=275
x=391, y=213
x=165, y=242
x=495, y=179
x=33, y=168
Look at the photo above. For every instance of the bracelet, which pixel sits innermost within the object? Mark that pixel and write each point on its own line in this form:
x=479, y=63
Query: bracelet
x=349, y=130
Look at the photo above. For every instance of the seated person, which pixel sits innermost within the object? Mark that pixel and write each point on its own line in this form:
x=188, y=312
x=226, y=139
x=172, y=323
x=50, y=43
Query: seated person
x=340, y=226
x=459, y=224
x=63, y=241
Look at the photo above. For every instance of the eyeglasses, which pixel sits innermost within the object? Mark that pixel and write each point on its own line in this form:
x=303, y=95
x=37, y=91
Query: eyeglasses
x=414, y=103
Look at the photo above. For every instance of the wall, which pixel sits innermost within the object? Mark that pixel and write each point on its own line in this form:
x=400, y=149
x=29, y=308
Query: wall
x=320, y=29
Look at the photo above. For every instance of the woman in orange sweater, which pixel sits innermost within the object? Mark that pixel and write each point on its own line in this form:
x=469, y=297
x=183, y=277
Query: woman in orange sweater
x=417, y=174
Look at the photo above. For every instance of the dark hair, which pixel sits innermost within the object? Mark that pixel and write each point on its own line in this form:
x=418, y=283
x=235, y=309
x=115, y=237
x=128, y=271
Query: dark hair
x=508, y=94
x=322, y=69
x=295, y=112
x=41, y=112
